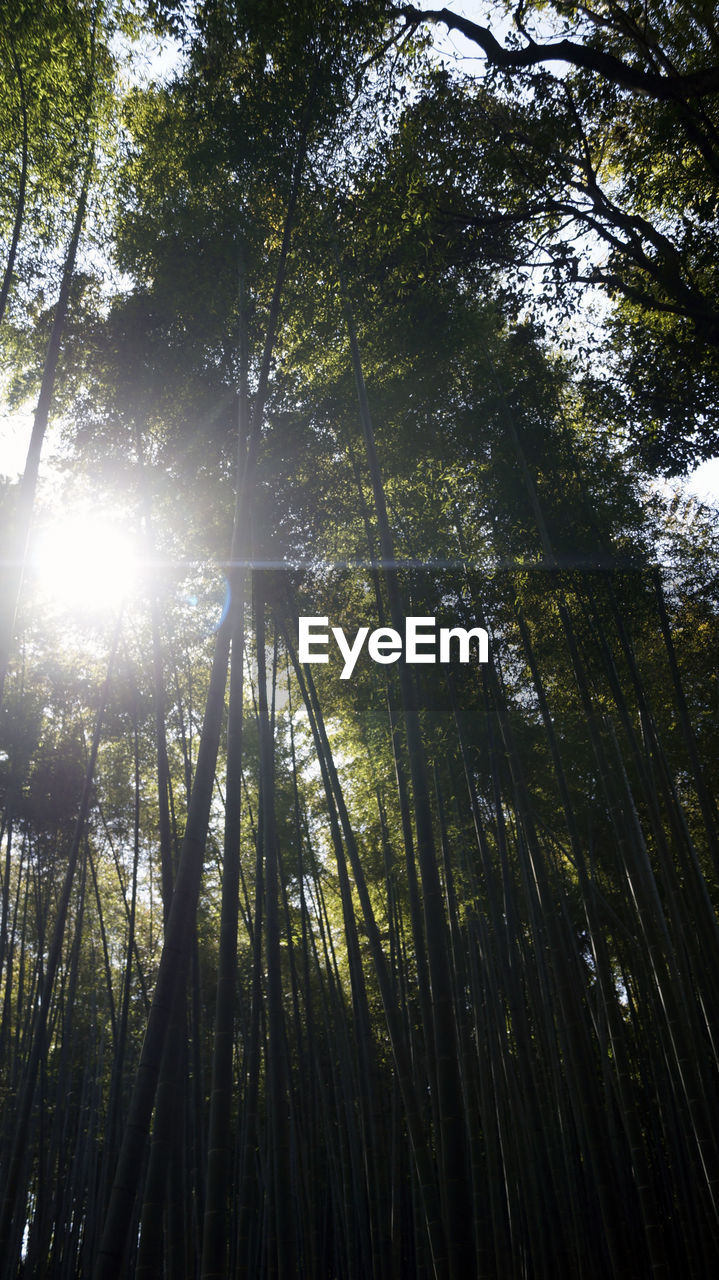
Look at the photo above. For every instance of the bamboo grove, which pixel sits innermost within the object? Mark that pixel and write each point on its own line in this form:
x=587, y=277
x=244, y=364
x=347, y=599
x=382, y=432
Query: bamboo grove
x=411, y=974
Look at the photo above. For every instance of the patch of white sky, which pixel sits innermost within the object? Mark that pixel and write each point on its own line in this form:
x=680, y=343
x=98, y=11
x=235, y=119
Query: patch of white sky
x=148, y=59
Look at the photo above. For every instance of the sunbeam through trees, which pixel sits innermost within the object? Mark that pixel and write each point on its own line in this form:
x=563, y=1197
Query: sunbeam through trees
x=359, y=717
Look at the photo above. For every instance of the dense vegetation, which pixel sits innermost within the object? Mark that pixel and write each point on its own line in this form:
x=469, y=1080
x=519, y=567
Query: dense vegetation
x=411, y=974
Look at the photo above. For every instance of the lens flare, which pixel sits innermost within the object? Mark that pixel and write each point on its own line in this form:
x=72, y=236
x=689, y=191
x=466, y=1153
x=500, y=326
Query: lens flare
x=86, y=562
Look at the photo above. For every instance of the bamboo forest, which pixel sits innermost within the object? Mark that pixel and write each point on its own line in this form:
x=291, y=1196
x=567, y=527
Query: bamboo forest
x=359, y=636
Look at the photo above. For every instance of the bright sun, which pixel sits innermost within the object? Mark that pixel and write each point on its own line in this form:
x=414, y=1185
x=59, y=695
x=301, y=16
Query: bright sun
x=86, y=562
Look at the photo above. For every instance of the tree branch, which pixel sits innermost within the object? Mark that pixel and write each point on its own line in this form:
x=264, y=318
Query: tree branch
x=676, y=88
